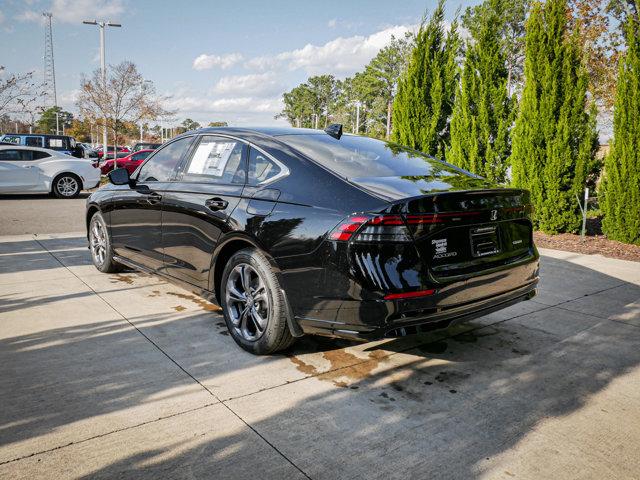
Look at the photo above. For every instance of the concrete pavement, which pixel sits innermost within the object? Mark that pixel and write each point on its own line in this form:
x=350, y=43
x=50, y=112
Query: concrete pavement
x=23, y=214
x=128, y=376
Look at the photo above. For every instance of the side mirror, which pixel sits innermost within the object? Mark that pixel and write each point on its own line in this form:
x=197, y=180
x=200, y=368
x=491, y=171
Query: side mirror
x=119, y=176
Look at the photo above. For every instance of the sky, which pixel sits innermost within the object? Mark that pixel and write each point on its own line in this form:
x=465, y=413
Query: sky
x=215, y=60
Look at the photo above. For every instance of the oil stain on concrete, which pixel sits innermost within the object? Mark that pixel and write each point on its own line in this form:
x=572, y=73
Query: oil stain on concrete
x=201, y=302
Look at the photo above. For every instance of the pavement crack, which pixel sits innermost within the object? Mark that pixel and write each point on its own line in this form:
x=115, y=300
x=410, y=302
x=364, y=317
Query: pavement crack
x=111, y=432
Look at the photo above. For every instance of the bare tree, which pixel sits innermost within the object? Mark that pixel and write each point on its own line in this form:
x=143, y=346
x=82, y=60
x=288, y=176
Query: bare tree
x=125, y=96
x=19, y=93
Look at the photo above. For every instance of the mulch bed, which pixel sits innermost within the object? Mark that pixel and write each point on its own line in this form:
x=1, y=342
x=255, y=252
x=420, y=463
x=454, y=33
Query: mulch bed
x=590, y=244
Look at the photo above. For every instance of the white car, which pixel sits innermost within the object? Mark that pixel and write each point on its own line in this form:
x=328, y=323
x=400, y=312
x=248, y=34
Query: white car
x=38, y=170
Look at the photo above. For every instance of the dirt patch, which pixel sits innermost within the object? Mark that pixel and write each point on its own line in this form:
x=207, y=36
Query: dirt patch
x=201, y=302
x=179, y=308
x=128, y=279
x=344, y=367
x=589, y=245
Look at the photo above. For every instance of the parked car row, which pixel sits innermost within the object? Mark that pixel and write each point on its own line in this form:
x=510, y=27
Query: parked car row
x=57, y=164
x=130, y=162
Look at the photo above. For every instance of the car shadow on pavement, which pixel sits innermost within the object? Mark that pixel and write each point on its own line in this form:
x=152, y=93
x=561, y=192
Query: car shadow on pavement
x=43, y=196
x=438, y=405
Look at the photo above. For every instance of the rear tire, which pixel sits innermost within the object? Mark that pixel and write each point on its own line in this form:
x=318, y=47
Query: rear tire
x=100, y=246
x=253, y=305
x=67, y=185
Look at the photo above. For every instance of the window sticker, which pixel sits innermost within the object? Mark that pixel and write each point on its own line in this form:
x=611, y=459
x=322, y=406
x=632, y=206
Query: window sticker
x=55, y=142
x=211, y=158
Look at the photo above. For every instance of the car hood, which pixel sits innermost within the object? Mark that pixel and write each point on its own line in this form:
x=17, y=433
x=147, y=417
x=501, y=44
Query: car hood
x=399, y=187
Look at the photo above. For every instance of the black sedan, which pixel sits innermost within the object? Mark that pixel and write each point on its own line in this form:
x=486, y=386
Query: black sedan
x=296, y=231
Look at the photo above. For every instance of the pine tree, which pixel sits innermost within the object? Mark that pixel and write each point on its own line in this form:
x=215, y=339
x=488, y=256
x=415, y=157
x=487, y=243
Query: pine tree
x=621, y=186
x=426, y=91
x=482, y=114
x=555, y=137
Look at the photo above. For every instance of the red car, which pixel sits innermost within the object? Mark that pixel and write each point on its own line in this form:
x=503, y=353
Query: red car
x=110, y=151
x=130, y=162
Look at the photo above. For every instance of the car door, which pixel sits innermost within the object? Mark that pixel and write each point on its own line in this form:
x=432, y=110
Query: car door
x=197, y=207
x=136, y=214
x=18, y=173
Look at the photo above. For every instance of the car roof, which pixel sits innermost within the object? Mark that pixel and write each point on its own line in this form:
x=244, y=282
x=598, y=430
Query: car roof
x=35, y=135
x=260, y=131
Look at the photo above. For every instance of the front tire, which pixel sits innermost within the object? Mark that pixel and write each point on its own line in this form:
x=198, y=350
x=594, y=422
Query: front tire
x=100, y=246
x=67, y=185
x=253, y=305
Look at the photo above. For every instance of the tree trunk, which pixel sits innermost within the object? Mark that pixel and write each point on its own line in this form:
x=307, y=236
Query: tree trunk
x=388, y=119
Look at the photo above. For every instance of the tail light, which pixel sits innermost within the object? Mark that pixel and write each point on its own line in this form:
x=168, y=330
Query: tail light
x=364, y=228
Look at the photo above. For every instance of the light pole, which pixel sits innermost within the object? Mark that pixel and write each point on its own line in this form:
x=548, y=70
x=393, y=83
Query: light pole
x=142, y=93
x=103, y=69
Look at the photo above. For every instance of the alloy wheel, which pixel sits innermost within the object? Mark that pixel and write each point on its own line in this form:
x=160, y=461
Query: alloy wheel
x=98, y=243
x=247, y=302
x=67, y=186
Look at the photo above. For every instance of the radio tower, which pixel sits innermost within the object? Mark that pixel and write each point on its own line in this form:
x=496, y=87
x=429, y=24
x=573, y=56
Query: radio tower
x=49, y=66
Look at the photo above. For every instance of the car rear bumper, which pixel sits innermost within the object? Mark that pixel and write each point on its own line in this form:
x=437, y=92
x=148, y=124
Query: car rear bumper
x=407, y=324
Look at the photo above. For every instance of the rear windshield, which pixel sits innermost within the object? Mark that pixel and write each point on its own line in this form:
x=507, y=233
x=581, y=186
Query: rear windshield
x=353, y=157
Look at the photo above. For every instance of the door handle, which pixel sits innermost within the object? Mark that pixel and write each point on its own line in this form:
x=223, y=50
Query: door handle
x=27, y=166
x=216, y=204
x=154, y=198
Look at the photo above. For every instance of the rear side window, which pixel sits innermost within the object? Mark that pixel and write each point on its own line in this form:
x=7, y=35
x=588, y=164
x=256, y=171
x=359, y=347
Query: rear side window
x=161, y=166
x=11, y=139
x=33, y=142
x=261, y=168
x=217, y=160
x=39, y=155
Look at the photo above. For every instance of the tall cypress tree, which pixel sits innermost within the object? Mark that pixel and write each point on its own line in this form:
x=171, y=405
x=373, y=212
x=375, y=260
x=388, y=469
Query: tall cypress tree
x=426, y=92
x=555, y=137
x=621, y=185
x=482, y=114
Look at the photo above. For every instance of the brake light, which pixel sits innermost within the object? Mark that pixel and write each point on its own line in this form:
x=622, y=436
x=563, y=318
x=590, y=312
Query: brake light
x=401, y=296
x=380, y=228
x=345, y=230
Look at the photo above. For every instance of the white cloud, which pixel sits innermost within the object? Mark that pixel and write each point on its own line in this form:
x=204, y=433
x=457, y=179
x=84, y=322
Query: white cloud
x=205, y=62
x=256, y=85
x=332, y=23
x=75, y=11
x=344, y=55
x=204, y=104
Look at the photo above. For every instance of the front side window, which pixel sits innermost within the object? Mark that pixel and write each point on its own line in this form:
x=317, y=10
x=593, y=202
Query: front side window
x=15, y=155
x=261, y=168
x=56, y=143
x=217, y=160
x=33, y=141
x=161, y=166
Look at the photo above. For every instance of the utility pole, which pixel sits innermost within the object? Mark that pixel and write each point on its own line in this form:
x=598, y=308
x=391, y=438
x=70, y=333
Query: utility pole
x=103, y=69
x=49, y=65
x=357, y=118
